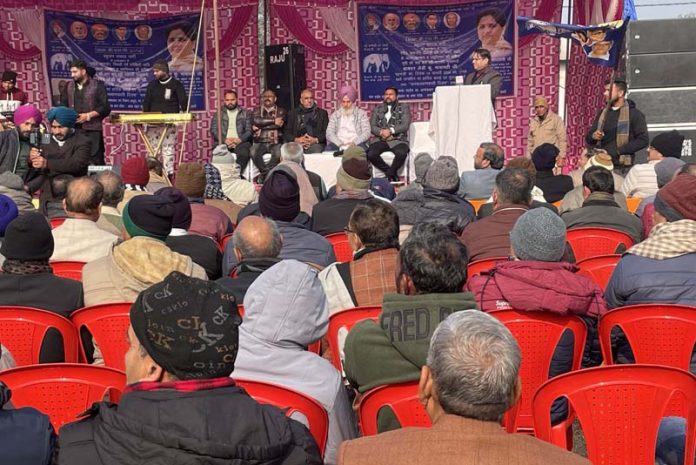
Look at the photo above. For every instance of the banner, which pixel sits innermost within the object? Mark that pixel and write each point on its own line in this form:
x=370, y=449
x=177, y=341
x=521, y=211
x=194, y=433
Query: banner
x=122, y=54
x=418, y=48
x=602, y=43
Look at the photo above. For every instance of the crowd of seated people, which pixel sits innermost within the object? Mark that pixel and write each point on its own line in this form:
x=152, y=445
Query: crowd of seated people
x=189, y=256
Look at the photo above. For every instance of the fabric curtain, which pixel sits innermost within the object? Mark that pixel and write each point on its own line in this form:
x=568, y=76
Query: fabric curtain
x=290, y=16
x=336, y=19
x=240, y=19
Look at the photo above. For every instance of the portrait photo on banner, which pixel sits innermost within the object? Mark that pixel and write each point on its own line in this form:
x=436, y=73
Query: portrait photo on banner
x=417, y=48
x=122, y=53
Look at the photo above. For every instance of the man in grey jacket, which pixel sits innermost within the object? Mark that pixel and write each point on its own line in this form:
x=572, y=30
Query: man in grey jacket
x=14, y=143
x=236, y=137
x=389, y=124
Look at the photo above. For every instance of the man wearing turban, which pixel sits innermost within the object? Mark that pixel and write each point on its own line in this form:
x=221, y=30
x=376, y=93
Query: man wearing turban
x=14, y=143
x=67, y=153
x=348, y=125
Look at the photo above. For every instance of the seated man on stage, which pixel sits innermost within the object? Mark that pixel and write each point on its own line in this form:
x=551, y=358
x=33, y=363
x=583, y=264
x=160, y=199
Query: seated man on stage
x=484, y=73
x=237, y=136
x=349, y=125
x=307, y=124
x=11, y=97
x=164, y=94
x=267, y=123
x=389, y=124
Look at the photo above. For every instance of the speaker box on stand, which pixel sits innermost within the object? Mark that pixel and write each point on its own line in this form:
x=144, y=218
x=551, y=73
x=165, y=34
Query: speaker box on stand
x=285, y=73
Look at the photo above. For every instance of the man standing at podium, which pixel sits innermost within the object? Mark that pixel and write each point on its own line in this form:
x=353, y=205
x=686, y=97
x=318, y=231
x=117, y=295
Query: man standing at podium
x=389, y=124
x=484, y=73
x=164, y=94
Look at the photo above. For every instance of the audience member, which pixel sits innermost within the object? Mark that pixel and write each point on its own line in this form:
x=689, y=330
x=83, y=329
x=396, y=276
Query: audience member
x=307, y=124
x=158, y=179
x=421, y=163
x=599, y=208
x=595, y=157
x=79, y=238
x=114, y=190
x=202, y=250
x=490, y=236
x=8, y=212
x=554, y=187
x=352, y=188
x=349, y=125
x=291, y=162
x=142, y=260
x=234, y=186
x=574, y=199
x=54, y=208
x=285, y=310
x=292, y=152
x=431, y=272
x=469, y=380
x=268, y=121
x=181, y=406
x=666, y=170
x=256, y=244
x=389, y=124
x=135, y=175
x=214, y=195
x=546, y=127
x=233, y=139
x=373, y=233
x=12, y=186
x=641, y=180
x=14, y=143
x=479, y=183
x=207, y=220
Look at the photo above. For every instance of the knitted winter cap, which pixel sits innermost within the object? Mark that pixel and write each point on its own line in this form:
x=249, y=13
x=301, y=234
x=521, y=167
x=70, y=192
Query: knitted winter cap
x=134, y=171
x=541, y=101
x=8, y=212
x=190, y=179
x=443, y=175
x=544, y=157
x=677, y=199
x=66, y=117
x=354, y=151
x=354, y=175
x=279, y=198
x=25, y=112
x=669, y=144
x=182, y=208
x=149, y=216
x=188, y=326
x=8, y=75
x=421, y=164
x=665, y=169
x=161, y=65
x=28, y=237
x=539, y=235
x=222, y=155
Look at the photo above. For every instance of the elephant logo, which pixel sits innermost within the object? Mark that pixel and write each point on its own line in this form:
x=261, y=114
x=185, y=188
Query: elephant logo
x=61, y=61
x=376, y=63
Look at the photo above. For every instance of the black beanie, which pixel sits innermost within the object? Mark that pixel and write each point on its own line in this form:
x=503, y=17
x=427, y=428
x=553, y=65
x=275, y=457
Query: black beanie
x=182, y=215
x=188, y=326
x=544, y=157
x=28, y=237
x=148, y=215
x=279, y=198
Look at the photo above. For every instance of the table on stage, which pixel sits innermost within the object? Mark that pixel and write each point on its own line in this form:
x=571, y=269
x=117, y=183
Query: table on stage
x=462, y=118
x=139, y=119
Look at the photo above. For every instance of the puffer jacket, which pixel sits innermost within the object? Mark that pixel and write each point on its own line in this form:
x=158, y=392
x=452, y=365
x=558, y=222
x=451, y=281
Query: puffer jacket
x=204, y=427
x=415, y=206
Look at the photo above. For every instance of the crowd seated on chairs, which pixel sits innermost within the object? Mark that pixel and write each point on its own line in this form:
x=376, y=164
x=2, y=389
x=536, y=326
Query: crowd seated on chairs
x=411, y=310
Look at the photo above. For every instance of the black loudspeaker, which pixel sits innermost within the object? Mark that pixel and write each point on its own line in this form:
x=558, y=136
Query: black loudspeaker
x=285, y=73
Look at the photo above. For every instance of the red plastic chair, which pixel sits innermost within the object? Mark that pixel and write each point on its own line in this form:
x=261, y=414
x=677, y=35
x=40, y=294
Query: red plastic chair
x=290, y=402
x=63, y=390
x=659, y=334
x=620, y=408
x=592, y=242
x=108, y=324
x=479, y=266
x=346, y=319
x=67, y=269
x=599, y=269
x=341, y=246
x=225, y=239
x=55, y=222
x=402, y=399
x=538, y=334
x=22, y=330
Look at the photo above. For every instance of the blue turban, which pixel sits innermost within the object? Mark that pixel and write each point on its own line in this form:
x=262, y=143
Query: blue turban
x=64, y=115
x=8, y=212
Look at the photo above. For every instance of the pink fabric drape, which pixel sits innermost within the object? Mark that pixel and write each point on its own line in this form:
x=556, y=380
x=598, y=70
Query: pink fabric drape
x=238, y=22
x=19, y=55
x=296, y=25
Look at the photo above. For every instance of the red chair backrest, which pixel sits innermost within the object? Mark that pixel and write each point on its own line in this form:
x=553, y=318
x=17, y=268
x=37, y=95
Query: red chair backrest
x=592, y=242
x=341, y=246
x=67, y=269
x=538, y=334
x=660, y=334
x=479, y=266
x=55, y=222
x=225, y=239
x=402, y=399
x=620, y=408
x=62, y=390
x=599, y=268
x=346, y=319
x=108, y=324
x=290, y=401
x=22, y=330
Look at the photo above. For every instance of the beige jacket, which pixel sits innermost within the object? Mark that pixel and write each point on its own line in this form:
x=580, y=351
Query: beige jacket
x=132, y=267
x=551, y=130
x=81, y=240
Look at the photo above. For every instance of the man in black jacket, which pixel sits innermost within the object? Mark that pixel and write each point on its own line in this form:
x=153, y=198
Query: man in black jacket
x=484, y=73
x=307, y=124
x=181, y=405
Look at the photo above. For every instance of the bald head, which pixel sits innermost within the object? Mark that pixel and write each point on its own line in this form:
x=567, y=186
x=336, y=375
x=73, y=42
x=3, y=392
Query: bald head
x=256, y=237
x=113, y=187
x=83, y=198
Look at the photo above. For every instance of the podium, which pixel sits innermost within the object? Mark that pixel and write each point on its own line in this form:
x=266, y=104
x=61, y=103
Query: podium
x=462, y=118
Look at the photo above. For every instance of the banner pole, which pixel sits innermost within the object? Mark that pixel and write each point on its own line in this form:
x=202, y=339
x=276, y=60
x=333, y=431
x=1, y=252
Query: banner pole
x=216, y=31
